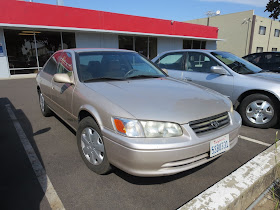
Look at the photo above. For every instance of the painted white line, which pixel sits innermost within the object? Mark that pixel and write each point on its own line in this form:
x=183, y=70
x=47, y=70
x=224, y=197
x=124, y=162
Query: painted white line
x=50, y=193
x=254, y=140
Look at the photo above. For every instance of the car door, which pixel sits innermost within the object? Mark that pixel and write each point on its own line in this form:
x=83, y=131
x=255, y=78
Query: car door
x=62, y=93
x=174, y=63
x=198, y=70
x=46, y=76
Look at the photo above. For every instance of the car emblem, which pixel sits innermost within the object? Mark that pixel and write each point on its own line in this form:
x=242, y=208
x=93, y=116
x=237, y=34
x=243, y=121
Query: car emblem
x=215, y=124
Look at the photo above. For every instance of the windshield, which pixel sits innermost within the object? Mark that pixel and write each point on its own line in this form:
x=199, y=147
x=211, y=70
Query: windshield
x=93, y=66
x=237, y=64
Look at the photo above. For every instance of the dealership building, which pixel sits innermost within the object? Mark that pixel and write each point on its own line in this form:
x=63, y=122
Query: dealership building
x=30, y=32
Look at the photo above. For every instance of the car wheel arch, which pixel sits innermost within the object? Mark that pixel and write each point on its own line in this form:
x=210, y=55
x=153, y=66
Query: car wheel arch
x=264, y=92
x=86, y=111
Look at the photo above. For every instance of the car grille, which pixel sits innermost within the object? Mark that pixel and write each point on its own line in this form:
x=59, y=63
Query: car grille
x=210, y=123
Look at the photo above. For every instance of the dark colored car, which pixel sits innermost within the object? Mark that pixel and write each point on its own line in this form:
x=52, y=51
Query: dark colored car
x=265, y=60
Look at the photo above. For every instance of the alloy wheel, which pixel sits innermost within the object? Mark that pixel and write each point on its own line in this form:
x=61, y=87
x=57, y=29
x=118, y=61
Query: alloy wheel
x=259, y=112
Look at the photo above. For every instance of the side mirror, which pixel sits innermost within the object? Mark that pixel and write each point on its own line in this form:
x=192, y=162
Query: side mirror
x=62, y=78
x=218, y=70
x=165, y=71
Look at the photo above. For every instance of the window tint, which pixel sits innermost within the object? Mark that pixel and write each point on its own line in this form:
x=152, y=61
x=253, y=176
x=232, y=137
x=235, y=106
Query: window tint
x=65, y=64
x=199, y=62
x=51, y=66
x=114, y=65
x=172, y=61
x=255, y=59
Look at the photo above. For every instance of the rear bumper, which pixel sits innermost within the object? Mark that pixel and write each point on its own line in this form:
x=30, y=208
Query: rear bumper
x=144, y=162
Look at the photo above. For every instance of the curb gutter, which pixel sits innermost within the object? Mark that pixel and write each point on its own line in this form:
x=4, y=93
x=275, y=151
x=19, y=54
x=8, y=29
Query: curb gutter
x=239, y=189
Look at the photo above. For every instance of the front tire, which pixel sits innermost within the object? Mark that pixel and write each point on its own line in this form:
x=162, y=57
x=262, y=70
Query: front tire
x=91, y=146
x=258, y=110
x=43, y=106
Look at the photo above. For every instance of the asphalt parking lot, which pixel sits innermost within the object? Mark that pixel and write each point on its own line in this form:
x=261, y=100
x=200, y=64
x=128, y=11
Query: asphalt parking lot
x=77, y=187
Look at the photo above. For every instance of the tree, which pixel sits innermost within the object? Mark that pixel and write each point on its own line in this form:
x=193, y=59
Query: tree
x=273, y=6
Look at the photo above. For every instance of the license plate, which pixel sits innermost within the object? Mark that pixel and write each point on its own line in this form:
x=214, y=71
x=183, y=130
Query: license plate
x=219, y=145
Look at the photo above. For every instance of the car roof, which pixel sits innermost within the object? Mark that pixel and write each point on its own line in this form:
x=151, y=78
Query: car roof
x=259, y=53
x=79, y=50
x=192, y=50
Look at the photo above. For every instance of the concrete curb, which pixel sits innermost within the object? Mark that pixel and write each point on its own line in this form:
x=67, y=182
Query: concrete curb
x=239, y=189
x=20, y=76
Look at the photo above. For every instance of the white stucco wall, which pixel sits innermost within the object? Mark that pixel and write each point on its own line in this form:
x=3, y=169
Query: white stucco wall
x=4, y=65
x=165, y=44
x=96, y=40
x=211, y=45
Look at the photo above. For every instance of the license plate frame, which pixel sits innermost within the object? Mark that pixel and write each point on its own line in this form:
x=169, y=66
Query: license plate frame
x=219, y=145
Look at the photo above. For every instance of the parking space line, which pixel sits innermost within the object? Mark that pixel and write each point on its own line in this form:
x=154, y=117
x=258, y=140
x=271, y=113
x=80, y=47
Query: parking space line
x=254, y=140
x=50, y=193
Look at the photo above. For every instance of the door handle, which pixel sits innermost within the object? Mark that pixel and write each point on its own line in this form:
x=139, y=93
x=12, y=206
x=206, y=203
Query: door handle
x=187, y=79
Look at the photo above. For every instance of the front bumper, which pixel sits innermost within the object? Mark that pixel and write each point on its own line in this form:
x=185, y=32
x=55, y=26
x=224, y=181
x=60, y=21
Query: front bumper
x=161, y=157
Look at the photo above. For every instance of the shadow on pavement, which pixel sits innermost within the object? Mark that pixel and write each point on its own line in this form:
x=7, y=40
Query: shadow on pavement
x=19, y=186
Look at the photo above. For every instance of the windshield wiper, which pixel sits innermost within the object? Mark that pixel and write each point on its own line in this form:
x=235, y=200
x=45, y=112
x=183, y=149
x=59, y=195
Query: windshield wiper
x=102, y=79
x=143, y=76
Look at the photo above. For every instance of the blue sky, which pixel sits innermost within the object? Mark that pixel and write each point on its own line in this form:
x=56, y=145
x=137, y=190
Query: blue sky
x=179, y=10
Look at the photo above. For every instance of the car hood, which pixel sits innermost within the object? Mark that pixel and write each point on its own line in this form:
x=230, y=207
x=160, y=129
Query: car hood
x=271, y=76
x=162, y=99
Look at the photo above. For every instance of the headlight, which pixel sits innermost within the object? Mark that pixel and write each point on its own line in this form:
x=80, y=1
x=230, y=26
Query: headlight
x=150, y=129
x=161, y=129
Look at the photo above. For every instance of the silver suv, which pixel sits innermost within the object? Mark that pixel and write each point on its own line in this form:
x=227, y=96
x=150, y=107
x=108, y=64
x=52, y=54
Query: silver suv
x=254, y=92
x=128, y=113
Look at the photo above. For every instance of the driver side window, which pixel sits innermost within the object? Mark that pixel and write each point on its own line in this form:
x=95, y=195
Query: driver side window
x=199, y=62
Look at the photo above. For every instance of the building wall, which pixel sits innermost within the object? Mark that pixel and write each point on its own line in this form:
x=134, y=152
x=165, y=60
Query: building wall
x=211, y=45
x=4, y=65
x=267, y=41
x=234, y=29
x=274, y=42
x=96, y=40
x=165, y=44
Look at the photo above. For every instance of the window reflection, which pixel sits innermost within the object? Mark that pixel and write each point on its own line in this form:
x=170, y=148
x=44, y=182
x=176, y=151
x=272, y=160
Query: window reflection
x=146, y=46
x=21, y=48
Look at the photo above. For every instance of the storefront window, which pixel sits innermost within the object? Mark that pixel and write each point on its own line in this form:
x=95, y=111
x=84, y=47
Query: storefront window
x=141, y=45
x=27, y=56
x=194, y=44
x=187, y=44
x=126, y=42
x=152, y=47
x=68, y=40
x=47, y=44
x=146, y=46
x=21, y=51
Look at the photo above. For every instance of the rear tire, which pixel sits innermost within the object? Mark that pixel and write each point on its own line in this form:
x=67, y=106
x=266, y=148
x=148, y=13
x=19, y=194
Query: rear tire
x=91, y=146
x=43, y=106
x=258, y=110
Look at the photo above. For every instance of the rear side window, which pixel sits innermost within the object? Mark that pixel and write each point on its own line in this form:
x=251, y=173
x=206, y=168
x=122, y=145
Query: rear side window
x=172, y=61
x=51, y=65
x=255, y=59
